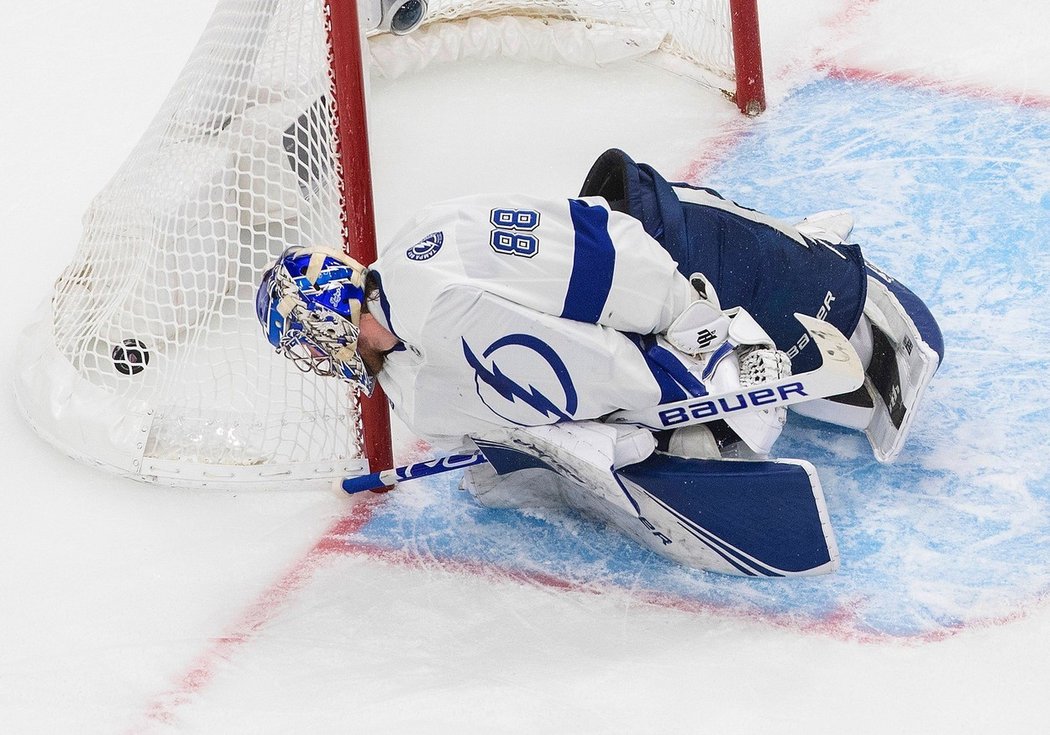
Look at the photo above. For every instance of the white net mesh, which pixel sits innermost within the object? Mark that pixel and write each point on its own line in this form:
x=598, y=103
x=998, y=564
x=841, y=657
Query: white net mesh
x=698, y=31
x=151, y=361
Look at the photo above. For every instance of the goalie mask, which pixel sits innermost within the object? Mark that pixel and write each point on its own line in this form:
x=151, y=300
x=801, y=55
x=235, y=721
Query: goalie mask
x=309, y=304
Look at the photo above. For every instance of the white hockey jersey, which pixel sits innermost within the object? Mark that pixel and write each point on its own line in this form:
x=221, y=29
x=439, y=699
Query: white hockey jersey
x=518, y=311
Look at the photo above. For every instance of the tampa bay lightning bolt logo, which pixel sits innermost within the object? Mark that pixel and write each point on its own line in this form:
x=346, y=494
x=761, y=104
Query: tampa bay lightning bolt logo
x=426, y=248
x=523, y=380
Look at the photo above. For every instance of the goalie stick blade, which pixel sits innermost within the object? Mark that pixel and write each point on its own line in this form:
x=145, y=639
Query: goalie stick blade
x=754, y=519
x=839, y=372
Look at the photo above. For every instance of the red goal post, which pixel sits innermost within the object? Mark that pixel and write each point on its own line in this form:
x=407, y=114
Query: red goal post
x=750, y=93
x=147, y=359
x=348, y=74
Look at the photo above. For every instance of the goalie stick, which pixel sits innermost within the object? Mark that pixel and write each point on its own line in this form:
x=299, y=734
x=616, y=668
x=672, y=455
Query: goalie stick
x=840, y=372
x=385, y=478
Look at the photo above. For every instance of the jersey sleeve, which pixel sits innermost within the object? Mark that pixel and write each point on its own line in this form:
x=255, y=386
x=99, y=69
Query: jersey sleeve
x=570, y=258
x=620, y=277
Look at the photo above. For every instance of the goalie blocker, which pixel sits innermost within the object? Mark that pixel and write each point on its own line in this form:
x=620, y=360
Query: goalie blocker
x=773, y=270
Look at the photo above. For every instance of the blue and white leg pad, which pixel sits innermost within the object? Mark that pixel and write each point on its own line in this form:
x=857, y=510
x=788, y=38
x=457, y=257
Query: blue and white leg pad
x=906, y=348
x=747, y=518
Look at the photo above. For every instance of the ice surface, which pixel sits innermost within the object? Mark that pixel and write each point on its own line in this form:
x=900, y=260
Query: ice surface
x=130, y=608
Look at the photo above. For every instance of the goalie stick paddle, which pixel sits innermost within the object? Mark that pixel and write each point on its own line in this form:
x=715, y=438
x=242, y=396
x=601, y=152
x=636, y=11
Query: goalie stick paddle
x=840, y=372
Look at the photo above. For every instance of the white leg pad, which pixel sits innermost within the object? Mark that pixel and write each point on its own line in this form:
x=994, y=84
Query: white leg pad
x=902, y=365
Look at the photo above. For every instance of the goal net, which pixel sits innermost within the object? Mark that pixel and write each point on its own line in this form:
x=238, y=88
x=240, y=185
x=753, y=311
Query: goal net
x=148, y=359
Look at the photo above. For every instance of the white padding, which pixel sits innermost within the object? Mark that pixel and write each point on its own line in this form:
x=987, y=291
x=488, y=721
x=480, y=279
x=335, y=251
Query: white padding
x=530, y=488
x=585, y=451
x=835, y=412
x=590, y=45
x=862, y=341
x=744, y=330
x=916, y=364
x=694, y=442
x=700, y=329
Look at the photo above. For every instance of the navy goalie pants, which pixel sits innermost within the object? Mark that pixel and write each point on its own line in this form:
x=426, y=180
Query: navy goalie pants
x=754, y=261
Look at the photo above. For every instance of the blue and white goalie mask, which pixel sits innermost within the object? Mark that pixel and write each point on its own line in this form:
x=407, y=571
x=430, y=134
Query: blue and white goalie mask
x=309, y=304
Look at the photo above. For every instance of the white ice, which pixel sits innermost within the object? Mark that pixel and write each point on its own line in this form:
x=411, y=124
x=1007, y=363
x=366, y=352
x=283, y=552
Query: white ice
x=133, y=608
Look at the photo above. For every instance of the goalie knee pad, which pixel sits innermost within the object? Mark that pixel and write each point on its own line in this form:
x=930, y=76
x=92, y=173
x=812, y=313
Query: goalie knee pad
x=695, y=442
x=833, y=225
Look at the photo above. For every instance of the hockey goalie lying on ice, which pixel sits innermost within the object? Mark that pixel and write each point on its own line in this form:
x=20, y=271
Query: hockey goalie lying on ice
x=629, y=352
